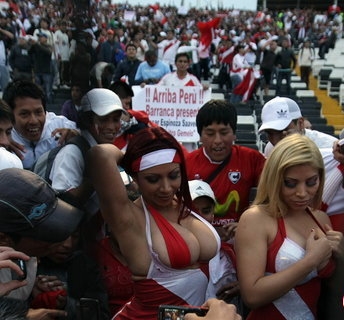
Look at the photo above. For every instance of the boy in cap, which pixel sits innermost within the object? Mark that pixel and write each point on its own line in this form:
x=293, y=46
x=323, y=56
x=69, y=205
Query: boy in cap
x=223, y=282
x=32, y=220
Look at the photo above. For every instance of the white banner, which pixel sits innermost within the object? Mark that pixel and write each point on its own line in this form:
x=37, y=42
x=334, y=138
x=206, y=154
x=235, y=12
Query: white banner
x=173, y=108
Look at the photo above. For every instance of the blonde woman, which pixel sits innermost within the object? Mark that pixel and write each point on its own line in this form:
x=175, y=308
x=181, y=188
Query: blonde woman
x=284, y=245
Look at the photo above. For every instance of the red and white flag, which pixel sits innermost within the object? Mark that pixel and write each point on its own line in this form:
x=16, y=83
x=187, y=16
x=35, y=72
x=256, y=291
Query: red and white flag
x=207, y=30
x=158, y=15
x=247, y=85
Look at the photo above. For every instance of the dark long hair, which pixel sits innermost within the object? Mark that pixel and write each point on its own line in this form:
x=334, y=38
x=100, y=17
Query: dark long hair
x=156, y=138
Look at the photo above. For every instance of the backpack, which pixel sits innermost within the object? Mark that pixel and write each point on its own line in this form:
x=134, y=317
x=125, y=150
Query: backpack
x=44, y=163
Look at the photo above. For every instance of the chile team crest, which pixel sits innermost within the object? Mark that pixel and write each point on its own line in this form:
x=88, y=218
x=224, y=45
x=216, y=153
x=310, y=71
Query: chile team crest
x=234, y=176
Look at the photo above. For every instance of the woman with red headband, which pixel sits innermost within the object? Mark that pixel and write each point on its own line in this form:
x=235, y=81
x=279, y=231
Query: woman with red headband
x=166, y=246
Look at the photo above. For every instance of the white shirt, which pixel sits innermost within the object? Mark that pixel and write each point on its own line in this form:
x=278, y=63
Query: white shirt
x=333, y=191
x=239, y=64
x=172, y=79
x=68, y=168
x=62, y=42
x=33, y=150
x=9, y=160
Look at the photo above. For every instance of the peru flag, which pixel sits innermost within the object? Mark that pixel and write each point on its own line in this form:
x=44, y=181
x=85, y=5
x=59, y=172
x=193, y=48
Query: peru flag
x=158, y=15
x=247, y=85
x=207, y=32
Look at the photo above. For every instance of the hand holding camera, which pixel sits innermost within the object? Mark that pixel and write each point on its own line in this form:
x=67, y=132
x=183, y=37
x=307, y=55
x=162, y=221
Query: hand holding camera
x=14, y=260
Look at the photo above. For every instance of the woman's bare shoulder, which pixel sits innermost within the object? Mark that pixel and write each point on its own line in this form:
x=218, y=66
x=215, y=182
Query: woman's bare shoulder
x=256, y=212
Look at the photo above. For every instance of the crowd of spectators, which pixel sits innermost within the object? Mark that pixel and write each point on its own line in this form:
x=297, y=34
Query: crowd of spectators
x=99, y=51
x=59, y=44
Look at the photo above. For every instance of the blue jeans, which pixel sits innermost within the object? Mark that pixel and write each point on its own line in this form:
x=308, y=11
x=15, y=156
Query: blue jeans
x=236, y=80
x=45, y=81
x=283, y=74
x=4, y=77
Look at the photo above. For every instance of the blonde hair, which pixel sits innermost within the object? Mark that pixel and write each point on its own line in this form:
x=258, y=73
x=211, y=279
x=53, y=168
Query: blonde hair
x=291, y=151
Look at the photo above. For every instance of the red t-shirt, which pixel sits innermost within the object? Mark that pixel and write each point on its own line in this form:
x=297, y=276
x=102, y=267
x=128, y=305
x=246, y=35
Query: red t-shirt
x=233, y=184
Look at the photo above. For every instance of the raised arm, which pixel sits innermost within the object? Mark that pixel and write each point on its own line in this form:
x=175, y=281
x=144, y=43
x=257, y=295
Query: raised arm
x=125, y=219
x=114, y=203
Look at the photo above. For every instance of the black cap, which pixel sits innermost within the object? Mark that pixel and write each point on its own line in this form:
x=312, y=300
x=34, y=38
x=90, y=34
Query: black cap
x=29, y=207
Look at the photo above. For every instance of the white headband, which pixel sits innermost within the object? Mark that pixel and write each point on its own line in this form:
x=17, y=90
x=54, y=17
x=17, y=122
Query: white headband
x=156, y=158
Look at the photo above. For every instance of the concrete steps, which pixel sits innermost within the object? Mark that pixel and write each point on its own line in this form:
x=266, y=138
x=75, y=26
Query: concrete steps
x=331, y=109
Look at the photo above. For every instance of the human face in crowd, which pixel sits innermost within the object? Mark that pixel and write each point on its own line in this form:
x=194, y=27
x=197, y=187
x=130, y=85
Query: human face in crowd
x=307, y=124
x=285, y=43
x=5, y=132
x=105, y=128
x=29, y=117
x=217, y=140
x=170, y=35
x=301, y=184
x=131, y=53
x=152, y=60
x=76, y=94
x=273, y=45
x=44, y=24
x=126, y=103
x=274, y=136
x=182, y=64
x=205, y=207
x=158, y=185
x=43, y=39
x=61, y=252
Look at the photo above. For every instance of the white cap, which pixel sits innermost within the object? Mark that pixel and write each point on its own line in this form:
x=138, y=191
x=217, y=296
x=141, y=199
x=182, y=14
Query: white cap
x=163, y=34
x=9, y=160
x=278, y=113
x=101, y=101
x=200, y=188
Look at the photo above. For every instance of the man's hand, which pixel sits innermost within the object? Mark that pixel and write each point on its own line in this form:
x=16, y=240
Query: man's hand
x=46, y=283
x=7, y=254
x=228, y=291
x=17, y=148
x=64, y=134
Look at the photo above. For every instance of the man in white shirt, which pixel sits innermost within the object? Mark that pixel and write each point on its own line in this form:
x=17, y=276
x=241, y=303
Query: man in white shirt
x=62, y=43
x=35, y=130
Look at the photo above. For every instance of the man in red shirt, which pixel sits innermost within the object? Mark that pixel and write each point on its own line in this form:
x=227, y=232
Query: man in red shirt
x=235, y=169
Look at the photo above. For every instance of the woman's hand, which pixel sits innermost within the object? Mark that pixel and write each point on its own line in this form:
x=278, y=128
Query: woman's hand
x=318, y=248
x=218, y=310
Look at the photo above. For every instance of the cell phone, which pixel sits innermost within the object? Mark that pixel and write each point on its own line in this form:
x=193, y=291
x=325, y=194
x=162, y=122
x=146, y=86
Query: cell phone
x=89, y=309
x=168, y=312
x=22, y=265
